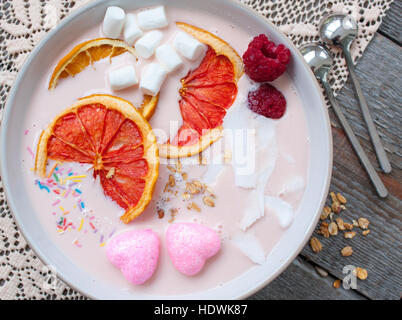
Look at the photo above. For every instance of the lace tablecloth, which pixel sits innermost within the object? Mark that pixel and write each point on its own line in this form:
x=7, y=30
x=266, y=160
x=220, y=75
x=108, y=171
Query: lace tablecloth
x=23, y=23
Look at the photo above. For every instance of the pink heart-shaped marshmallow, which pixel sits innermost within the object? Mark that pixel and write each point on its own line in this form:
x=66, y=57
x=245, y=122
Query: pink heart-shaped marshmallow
x=136, y=253
x=190, y=245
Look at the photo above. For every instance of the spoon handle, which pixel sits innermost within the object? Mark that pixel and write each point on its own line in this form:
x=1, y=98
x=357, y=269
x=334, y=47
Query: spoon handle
x=378, y=147
x=375, y=179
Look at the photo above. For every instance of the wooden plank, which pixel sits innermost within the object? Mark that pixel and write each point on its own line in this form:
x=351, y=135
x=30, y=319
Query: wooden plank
x=301, y=281
x=392, y=23
x=379, y=252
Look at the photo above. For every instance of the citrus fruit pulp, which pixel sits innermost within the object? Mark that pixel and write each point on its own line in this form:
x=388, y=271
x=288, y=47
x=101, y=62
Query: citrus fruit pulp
x=206, y=94
x=109, y=133
x=91, y=51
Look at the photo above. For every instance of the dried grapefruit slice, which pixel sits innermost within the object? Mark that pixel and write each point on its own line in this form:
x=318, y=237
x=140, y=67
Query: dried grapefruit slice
x=148, y=106
x=91, y=51
x=220, y=46
x=109, y=133
x=87, y=53
x=207, y=92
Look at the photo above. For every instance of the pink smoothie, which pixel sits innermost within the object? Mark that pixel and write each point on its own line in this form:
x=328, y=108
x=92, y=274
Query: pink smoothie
x=80, y=219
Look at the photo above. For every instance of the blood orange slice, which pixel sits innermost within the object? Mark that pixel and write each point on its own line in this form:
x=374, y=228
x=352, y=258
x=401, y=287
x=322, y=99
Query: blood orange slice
x=207, y=93
x=109, y=133
x=88, y=52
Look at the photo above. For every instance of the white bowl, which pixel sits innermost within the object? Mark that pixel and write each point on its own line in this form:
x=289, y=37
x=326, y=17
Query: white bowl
x=319, y=167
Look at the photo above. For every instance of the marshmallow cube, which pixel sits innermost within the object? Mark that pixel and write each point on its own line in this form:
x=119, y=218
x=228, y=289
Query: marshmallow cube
x=188, y=46
x=152, y=78
x=147, y=44
x=113, y=22
x=168, y=57
x=122, y=78
x=154, y=18
x=131, y=30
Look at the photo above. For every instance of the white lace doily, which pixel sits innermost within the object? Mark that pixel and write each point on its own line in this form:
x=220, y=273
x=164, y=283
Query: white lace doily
x=22, y=25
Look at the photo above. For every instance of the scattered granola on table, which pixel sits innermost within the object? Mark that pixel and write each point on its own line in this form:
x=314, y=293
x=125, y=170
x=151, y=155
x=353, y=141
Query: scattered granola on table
x=315, y=244
x=331, y=226
x=363, y=223
x=337, y=283
x=350, y=234
x=347, y=251
x=361, y=273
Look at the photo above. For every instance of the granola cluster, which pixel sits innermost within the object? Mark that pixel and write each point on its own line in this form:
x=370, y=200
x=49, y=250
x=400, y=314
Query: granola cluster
x=194, y=193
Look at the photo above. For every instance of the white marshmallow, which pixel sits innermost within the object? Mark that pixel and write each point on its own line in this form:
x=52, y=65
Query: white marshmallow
x=152, y=78
x=147, y=44
x=188, y=46
x=113, y=22
x=122, y=78
x=168, y=57
x=154, y=18
x=131, y=30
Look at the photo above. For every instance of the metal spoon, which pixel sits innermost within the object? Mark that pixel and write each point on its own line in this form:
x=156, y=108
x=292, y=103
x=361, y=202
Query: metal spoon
x=341, y=30
x=320, y=61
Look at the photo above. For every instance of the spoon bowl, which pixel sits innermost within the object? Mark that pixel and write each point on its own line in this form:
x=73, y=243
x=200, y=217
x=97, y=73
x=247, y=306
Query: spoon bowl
x=319, y=59
x=338, y=29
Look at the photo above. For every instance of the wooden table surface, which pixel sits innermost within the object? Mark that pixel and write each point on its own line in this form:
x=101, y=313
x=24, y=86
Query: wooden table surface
x=379, y=252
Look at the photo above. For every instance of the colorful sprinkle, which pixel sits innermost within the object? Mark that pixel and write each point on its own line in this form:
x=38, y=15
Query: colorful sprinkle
x=41, y=186
x=75, y=177
x=56, y=177
x=75, y=241
x=67, y=193
x=112, y=233
x=51, y=171
x=81, y=224
x=31, y=152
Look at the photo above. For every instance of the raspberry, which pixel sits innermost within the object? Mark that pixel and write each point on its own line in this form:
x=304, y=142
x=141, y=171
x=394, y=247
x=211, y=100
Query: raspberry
x=267, y=101
x=263, y=61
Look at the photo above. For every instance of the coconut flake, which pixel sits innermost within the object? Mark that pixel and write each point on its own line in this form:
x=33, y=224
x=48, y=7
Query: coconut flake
x=282, y=209
x=294, y=184
x=250, y=246
x=265, y=164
